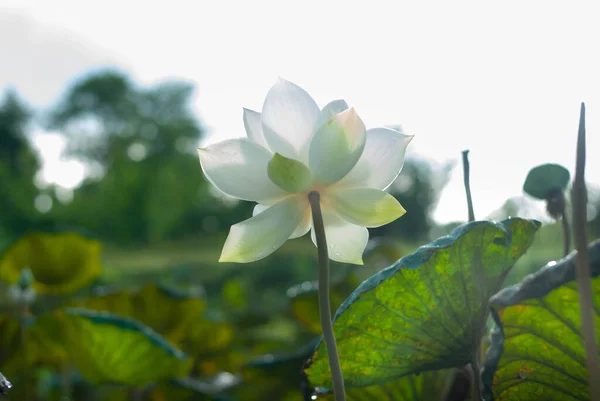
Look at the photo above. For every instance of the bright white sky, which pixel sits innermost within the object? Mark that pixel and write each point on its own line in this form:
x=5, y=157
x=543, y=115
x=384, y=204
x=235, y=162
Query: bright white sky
x=503, y=79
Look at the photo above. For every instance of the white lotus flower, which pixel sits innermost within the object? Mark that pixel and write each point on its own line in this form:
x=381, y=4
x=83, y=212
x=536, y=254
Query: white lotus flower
x=294, y=148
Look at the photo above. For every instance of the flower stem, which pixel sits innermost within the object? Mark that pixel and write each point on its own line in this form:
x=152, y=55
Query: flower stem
x=466, y=174
x=584, y=282
x=324, y=305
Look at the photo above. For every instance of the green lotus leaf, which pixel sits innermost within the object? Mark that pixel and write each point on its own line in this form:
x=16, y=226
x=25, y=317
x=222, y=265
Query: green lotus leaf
x=108, y=348
x=275, y=376
x=536, y=352
x=44, y=343
x=304, y=300
x=10, y=338
x=427, y=386
x=169, y=312
x=188, y=388
x=210, y=343
x=546, y=178
x=45, y=340
x=427, y=310
x=234, y=295
x=61, y=263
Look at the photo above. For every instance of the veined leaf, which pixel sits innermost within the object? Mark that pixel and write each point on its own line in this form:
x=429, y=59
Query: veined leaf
x=107, y=348
x=427, y=386
x=169, y=312
x=536, y=352
x=428, y=310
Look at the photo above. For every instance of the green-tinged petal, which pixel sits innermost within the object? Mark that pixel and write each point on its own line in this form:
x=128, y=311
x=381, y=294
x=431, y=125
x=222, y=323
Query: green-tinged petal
x=346, y=242
x=289, y=174
x=264, y=233
x=301, y=229
x=289, y=115
x=253, y=125
x=381, y=161
x=336, y=147
x=330, y=110
x=238, y=167
x=365, y=207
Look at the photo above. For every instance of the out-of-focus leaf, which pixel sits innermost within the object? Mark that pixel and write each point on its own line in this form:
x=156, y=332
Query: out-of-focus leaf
x=210, y=344
x=187, y=389
x=46, y=340
x=10, y=329
x=427, y=386
x=169, y=312
x=61, y=263
x=536, y=352
x=275, y=377
x=546, y=178
x=381, y=252
x=234, y=295
x=305, y=300
x=426, y=311
x=44, y=343
x=107, y=348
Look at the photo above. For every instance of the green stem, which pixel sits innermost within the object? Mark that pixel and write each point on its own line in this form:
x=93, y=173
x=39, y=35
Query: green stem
x=584, y=282
x=478, y=346
x=23, y=312
x=324, y=305
x=566, y=234
x=466, y=175
x=475, y=381
x=66, y=385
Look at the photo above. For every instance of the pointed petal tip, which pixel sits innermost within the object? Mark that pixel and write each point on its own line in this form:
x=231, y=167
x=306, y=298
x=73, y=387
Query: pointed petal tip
x=281, y=81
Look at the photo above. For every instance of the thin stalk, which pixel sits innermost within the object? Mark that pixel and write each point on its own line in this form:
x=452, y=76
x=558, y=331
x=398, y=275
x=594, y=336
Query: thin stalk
x=477, y=347
x=579, y=196
x=324, y=304
x=23, y=313
x=475, y=381
x=566, y=234
x=66, y=385
x=466, y=175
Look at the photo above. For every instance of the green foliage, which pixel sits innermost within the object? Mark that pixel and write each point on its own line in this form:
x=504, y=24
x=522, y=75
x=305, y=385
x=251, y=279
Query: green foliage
x=427, y=386
x=537, y=351
x=141, y=142
x=18, y=167
x=107, y=348
x=305, y=301
x=169, y=312
x=428, y=310
x=404, y=333
x=60, y=263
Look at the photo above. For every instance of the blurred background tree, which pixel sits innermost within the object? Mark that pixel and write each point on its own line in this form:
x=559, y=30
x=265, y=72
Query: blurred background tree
x=139, y=146
x=19, y=163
